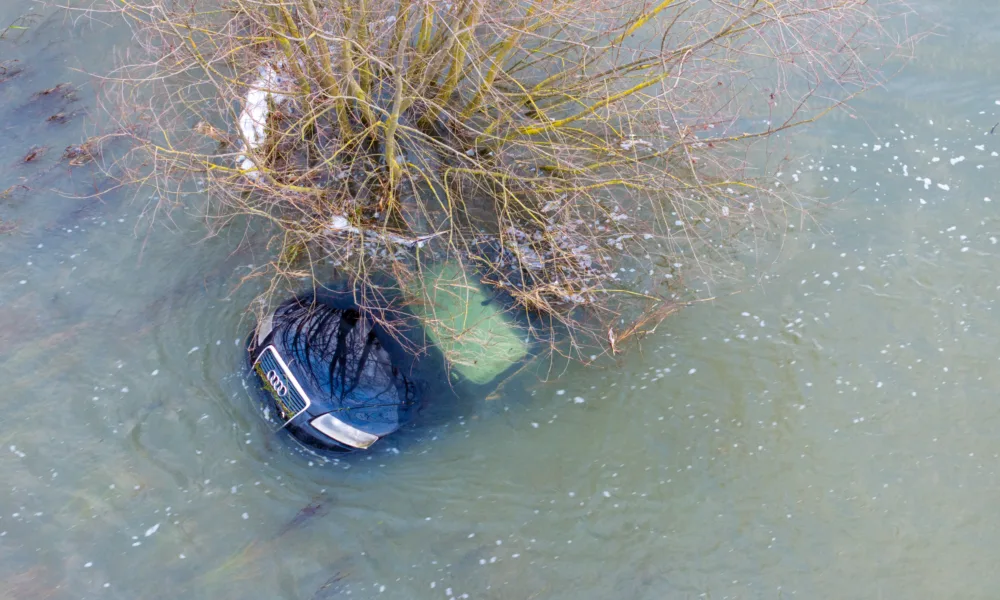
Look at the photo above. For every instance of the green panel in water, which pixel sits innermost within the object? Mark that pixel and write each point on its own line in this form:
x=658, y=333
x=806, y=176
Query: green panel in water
x=478, y=341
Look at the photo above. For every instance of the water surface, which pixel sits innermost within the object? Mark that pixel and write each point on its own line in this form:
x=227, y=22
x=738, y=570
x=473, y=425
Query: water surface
x=827, y=433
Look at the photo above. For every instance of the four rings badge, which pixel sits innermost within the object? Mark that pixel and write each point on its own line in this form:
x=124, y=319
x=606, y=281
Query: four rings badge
x=275, y=380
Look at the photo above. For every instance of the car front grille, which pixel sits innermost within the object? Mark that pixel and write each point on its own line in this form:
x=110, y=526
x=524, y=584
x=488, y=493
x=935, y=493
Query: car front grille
x=289, y=398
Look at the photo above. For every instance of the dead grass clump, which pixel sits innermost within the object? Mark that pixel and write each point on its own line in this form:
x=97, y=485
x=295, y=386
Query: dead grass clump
x=62, y=90
x=9, y=69
x=16, y=29
x=34, y=153
x=581, y=156
x=84, y=152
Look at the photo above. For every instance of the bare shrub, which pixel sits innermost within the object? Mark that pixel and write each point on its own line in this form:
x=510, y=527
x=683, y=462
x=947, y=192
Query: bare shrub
x=582, y=156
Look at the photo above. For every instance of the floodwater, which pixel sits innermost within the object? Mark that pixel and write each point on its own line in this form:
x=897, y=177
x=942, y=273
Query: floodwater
x=830, y=432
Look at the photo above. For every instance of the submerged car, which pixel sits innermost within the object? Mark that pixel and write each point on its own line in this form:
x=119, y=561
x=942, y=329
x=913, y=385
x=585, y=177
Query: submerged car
x=333, y=376
x=337, y=379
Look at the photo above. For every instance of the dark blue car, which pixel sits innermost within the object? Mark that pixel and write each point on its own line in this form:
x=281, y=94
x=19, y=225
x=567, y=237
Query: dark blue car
x=333, y=376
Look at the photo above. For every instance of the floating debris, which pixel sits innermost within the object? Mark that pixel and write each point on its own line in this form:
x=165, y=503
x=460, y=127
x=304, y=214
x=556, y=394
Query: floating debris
x=331, y=587
x=340, y=224
x=270, y=87
x=9, y=70
x=316, y=508
x=206, y=129
x=35, y=153
x=81, y=154
x=62, y=117
x=19, y=26
x=9, y=192
x=66, y=90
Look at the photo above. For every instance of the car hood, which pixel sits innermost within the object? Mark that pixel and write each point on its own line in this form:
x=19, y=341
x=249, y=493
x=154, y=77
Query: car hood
x=339, y=358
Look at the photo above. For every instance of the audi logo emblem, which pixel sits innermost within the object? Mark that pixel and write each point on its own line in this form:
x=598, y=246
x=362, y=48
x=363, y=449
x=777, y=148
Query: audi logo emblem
x=275, y=380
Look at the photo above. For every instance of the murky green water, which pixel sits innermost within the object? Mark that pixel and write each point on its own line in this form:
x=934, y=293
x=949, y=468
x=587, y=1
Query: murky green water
x=828, y=433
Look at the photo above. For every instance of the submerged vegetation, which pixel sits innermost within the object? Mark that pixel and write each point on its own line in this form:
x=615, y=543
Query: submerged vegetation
x=582, y=157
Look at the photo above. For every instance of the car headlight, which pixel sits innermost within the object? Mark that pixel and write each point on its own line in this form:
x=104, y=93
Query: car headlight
x=265, y=327
x=342, y=432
